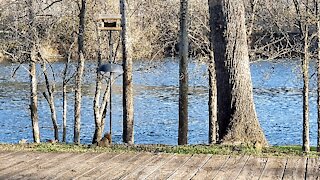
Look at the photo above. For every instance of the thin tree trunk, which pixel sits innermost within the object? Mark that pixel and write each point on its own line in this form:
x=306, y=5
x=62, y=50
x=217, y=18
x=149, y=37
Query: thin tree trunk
x=50, y=99
x=96, y=102
x=305, y=69
x=318, y=75
x=304, y=31
x=253, y=6
x=33, y=77
x=34, y=101
x=64, y=112
x=65, y=97
x=80, y=69
x=212, y=87
x=212, y=105
x=183, y=75
x=212, y=101
x=65, y=92
x=78, y=99
x=237, y=117
x=128, y=116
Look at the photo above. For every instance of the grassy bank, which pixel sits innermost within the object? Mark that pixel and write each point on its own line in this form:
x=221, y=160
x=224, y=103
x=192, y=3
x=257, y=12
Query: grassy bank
x=190, y=149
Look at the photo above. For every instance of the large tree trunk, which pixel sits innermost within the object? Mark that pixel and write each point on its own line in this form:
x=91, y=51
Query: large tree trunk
x=237, y=117
x=33, y=76
x=183, y=75
x=128, y=116
x=80, y=69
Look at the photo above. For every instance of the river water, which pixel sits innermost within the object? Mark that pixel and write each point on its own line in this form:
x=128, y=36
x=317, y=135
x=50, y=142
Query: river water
x=277, y=93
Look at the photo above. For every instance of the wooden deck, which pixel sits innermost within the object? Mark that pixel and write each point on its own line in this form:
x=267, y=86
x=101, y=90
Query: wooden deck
x=34, y=165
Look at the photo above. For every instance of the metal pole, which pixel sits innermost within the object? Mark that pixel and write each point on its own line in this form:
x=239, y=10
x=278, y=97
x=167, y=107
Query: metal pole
x=111, y=47
x=110, y=98
x=110, y=115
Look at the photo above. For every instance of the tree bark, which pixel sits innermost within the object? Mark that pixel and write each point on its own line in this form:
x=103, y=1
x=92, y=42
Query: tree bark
x=33, y=76
x=318, y=75
x=80, y=69
x=99, y=108
x=50, y=99
x=64, y=112
x=253, y=7
x=96, y=102
x=34, y=101
x=183, y=75
x=237, y=117
x=212, y=103
x=302, y=20
x=65, y=92
x=305, y=71
x=128, y=116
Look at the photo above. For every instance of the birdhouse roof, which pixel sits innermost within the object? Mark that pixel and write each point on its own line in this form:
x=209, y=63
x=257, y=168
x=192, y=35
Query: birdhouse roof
x=102, y=17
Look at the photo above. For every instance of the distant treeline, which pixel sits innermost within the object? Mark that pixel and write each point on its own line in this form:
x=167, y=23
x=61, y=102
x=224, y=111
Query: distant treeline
x=153, y=29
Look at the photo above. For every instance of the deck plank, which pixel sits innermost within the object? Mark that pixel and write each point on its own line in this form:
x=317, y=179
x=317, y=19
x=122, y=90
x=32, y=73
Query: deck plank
x=86, y=165
x=104, y=166
x=166, y=171
x=11, y=156
x=313, y=169
x=253, y=168
x=295, y=169
x=274, y=169
x=190, y=168
x=14, y=160
x=211, y=168
x=124, y=169
x=76, y=158
x=61, y=172
x=34, y=158
x=36, y=165
x=4, y=154
x=149, y=168
x=232, y=168
x=51, y=160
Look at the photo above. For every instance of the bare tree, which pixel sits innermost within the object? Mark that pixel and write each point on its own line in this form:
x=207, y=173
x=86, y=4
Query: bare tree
x=302, y=10
x=49, y=96
x=80, y=69
x=212, y=103
x=128, y=116
x=237, y=117
x=100, y=108
x=318, y=73
x=65, y=81
x=183, y=75
x=33, y=74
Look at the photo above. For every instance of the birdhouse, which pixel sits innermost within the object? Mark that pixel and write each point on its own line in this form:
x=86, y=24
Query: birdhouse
x=109, y=22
